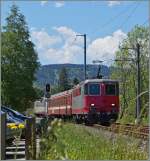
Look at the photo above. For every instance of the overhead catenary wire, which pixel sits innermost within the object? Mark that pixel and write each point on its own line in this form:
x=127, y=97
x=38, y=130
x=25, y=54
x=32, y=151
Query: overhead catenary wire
x=112, y=19
x=118, y=15
x=146, y=21
x=73, y=41
x=130, y=15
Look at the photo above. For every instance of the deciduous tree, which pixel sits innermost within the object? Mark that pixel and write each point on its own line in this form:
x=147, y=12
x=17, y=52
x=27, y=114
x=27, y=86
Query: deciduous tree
x=127, y=71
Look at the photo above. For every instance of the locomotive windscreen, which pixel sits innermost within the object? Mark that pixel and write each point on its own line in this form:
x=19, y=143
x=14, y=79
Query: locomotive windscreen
x=92, y=89
x=112, y=89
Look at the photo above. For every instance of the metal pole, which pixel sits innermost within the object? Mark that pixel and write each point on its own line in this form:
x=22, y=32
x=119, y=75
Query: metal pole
x=85, y=57
x=85, y=76
x=138, y=101
x=138, y=83
x=46, y=107
x=3, y=136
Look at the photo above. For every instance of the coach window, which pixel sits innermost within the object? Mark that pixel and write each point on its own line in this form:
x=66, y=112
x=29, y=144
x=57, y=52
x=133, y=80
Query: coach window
x=94, y=89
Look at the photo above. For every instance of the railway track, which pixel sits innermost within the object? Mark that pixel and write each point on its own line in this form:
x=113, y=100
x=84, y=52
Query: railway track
x=136, y=131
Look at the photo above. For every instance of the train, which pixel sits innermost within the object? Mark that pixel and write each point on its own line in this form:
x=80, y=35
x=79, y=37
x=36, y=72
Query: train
x=91, y=101
x=40, y=107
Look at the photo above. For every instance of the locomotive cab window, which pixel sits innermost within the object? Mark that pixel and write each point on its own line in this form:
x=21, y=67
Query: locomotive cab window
x=94, y=89
x=111, y=89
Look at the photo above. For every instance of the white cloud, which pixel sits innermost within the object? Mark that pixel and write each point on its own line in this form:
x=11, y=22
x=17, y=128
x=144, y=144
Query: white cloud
x=71, y=50
x=44, y=2
x=63, y=48
x=67, y=51
x=105, y=48
x=68, y=35
x=59, y=4
x=43, y=40
x=63, y=55
x=65, y=31
x=113, y=3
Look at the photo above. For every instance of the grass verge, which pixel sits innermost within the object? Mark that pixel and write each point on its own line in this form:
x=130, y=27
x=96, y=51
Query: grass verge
x=73, y=142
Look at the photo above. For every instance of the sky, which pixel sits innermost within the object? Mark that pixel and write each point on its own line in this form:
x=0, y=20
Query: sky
x=53, y=27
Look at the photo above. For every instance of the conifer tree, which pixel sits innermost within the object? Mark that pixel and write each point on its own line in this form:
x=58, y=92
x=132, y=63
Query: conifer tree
x=75, y=81
x=63, y=80
x=19, y=62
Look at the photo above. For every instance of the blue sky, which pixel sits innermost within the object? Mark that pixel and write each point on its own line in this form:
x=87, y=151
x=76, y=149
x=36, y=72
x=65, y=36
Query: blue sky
x=53, y=26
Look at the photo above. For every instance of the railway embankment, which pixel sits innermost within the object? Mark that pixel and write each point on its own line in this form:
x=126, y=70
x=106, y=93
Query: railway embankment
x=79, y=142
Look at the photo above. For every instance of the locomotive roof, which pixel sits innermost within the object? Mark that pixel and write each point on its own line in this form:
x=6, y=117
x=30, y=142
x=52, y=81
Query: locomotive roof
x=83, y=82
x=98, y=80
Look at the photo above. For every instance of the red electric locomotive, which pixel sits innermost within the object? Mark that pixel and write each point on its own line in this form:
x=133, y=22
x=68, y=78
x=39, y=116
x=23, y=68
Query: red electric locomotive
x=91, y=101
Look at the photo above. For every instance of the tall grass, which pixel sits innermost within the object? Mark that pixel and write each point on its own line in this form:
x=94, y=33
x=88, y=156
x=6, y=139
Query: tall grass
x=75, y=142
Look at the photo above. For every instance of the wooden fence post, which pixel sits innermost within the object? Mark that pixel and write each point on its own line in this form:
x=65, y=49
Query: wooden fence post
x=30, y=139
x=3, y=136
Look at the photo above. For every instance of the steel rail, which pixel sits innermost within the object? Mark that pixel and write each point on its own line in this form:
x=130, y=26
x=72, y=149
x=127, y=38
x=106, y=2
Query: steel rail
x=141, y=132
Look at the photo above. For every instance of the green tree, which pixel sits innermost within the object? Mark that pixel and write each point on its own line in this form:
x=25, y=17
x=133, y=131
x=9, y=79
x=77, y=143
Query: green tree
x=39, y=92
x=126, y=72
x=19, y=62
x=63, y=80
x=75, y=81
x=55, y=89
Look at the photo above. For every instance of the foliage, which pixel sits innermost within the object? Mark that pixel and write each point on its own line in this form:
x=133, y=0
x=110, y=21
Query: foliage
x=39, y=92
x=18, y=62
x=126, y=72
x=63, y=80
x=55, y=89
x=50, y=145
x=75, y=81
x=76, y=142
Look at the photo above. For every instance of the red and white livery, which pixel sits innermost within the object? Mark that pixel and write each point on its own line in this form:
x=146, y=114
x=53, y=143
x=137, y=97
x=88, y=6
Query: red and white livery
x=91, y=101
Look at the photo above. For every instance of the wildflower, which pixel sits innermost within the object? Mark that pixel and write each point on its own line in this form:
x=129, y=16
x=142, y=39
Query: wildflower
x=21, y=126
x=14, y=127
x=54, y=122
x=59, y=123
x=9, y=125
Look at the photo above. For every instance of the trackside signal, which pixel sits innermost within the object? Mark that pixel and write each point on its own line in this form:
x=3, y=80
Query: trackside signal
x=48, y=87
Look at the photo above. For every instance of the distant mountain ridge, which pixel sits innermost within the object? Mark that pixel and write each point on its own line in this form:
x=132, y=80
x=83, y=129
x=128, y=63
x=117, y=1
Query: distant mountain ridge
x=50, y=73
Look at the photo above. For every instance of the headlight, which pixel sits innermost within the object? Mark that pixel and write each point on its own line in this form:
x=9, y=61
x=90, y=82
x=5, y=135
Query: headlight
x=112, y=104
x=92, y=104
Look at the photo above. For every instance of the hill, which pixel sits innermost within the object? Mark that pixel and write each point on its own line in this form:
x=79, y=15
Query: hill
x=50, y=73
